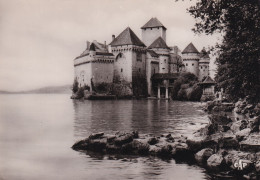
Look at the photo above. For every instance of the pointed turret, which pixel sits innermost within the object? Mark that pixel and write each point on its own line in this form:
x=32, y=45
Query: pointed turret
x=190, y=49
x=127, y=37
x=152, y=23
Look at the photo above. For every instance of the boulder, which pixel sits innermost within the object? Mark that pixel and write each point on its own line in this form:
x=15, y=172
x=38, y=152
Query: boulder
x=257, y=167
x=219, y=119
x=251, y=144
x=240, y=135
x=181, y=151
x=97, y=144
x=195, y=143
x=96, y=135
x=203, y=155
x=123, y=139
x=153, y=141
x=228, y=141
x=81, y=145
x=216, y=162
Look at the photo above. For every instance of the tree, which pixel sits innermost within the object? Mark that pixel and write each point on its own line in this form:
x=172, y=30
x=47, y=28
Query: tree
x=239, y=53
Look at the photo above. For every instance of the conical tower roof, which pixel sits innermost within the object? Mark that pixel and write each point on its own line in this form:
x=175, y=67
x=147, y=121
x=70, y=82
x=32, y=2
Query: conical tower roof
x=190, y=49
x=127, y=37
x=204, y=53
x=159, y=43
x=153, y=22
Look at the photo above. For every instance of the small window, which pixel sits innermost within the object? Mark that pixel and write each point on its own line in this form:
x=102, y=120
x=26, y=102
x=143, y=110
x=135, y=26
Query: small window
x=192, y=64
x=200, y=67
x=163, y=68
x=151, y=28
x=121, y=69
x=205, y=67
x=139, y=69
x=158, y=27
x=186, y=64
x=165, y=60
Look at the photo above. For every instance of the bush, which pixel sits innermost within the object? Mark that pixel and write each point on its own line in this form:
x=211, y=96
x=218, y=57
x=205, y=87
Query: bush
x=195, y=93
x=186, y=88
x=80, y=93
x=103, y=87
x=75, y=86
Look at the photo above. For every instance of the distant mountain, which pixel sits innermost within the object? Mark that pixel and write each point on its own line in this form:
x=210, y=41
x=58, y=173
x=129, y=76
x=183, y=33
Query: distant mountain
x=66, y=89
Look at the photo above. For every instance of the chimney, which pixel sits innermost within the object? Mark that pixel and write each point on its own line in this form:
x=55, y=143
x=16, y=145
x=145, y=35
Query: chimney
x=113, y=37
x=88, y=44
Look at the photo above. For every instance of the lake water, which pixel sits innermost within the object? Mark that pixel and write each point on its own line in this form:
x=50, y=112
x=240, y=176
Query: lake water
x=37, y=132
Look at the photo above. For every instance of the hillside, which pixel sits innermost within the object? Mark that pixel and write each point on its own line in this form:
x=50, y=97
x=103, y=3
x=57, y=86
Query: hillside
x=65, y=89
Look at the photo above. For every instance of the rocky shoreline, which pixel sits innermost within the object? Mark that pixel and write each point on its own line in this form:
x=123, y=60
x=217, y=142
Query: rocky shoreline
x=229, y=146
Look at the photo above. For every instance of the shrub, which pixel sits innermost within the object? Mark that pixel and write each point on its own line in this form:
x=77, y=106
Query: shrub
x=195, y=93
x=75, y=86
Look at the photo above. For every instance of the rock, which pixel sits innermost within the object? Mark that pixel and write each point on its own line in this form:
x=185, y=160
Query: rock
x=251, y=144
x=216, y=162
x=96, y=135
x=232, y=156
x=257, y=167
x=135, y=134
x=243, y=165
x=181, y=151
x=123, y=139
x=254, y=124
x=81, y=145
x=240, y=135
x=203, y=155
x=97, y=144
x=228, y=141
x=219, y=119
x=195, y=143
x=153, y=141
x=140, y=146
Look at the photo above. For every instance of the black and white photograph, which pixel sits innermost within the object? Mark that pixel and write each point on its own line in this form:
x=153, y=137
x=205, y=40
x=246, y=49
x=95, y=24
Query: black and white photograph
x=129, y=89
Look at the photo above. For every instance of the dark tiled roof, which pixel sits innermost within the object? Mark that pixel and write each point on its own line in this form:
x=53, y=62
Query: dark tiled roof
x=104, y=54
x=190, y=49
x=152, y=53
x=127, y=37
x=204, y=53
x=165, y=76
x=154, y=22
x=159, y=43
x=208, y=80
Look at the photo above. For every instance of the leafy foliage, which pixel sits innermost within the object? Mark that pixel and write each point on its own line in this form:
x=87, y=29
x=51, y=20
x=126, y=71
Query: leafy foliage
x=239, y=53
x=186, y=88
x=75, y=86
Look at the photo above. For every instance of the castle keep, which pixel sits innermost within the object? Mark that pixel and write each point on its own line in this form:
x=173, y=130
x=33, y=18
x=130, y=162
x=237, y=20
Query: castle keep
x=148, y=66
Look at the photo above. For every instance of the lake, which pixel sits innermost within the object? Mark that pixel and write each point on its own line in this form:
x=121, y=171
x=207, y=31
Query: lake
x=38, y=130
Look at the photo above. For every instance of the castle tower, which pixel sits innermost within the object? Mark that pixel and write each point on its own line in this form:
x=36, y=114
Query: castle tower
x=160, y=47
x=204, y=64
x=152, y=30
x=130, y=63
x=191, y=57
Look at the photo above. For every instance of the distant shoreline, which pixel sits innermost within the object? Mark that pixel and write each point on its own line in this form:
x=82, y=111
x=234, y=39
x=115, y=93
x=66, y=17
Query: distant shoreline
x=65, y=89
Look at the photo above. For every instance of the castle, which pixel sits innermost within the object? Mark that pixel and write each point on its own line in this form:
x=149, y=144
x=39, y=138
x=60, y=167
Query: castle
x=148, y=66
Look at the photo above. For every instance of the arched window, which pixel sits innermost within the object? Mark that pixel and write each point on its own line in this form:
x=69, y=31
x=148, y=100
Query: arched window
x=121, y=69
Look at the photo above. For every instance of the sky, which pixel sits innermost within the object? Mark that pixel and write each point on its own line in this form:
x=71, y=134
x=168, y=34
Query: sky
x=40, y=38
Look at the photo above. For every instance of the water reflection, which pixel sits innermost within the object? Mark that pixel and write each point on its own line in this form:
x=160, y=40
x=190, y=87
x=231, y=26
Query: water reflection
x=154, y=117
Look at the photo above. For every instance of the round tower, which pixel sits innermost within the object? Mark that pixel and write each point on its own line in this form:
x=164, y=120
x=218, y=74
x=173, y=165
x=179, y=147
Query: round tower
x=191, y=57
x=204, y=64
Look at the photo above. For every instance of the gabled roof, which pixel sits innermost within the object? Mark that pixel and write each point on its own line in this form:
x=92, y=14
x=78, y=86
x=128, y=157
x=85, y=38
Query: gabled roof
x=153, y=22
x=208, y=80
x=159, y=43
x=127, y=37
x=190, y=49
